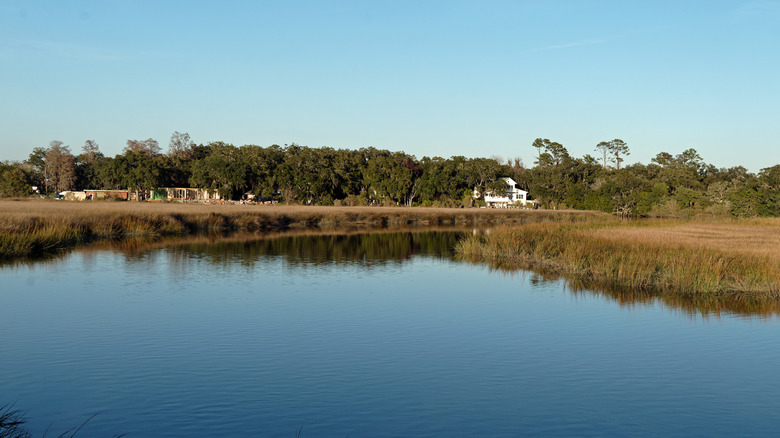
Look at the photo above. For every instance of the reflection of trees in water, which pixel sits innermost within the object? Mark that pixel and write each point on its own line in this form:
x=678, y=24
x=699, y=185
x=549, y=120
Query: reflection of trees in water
x=691, y=305
x=374, y=248
x=363, y=249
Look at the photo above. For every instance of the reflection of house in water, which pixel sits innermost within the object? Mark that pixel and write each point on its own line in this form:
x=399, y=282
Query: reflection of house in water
x=186, y=194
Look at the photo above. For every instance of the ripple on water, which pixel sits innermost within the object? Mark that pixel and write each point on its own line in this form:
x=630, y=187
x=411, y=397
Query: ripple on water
x=175, y=344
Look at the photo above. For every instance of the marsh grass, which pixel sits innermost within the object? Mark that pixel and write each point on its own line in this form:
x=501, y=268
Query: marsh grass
x=13, y=425
x=734, y=260
x=35, y=228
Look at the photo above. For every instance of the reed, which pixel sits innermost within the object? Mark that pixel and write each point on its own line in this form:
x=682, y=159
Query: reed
x=13, y=424
x=34, y=228
x=692, y=258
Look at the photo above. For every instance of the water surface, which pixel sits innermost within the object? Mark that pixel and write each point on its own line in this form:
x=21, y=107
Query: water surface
x=372, y=335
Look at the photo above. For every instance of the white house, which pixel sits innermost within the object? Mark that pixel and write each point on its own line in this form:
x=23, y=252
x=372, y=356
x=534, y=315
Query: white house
x=513, y=196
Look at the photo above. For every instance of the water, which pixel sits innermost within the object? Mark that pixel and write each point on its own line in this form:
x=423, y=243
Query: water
x=377, y=335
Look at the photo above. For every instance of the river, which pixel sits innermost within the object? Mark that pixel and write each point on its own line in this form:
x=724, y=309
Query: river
x=382, y=334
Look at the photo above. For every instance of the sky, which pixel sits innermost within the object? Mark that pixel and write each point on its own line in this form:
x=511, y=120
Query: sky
x=431, y=78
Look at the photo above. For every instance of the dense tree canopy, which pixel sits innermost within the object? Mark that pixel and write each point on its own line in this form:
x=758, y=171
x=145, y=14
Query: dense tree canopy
x=671, y=184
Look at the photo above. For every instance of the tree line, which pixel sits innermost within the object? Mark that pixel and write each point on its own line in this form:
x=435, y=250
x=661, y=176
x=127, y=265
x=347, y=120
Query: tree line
x=670, y=185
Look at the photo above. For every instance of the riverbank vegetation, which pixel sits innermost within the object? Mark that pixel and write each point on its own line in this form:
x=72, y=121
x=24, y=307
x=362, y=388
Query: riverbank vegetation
x=723, y=259
x=32, y=228
x=671, y=185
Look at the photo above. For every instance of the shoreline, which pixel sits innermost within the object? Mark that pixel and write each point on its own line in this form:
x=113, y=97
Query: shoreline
x=30, y=229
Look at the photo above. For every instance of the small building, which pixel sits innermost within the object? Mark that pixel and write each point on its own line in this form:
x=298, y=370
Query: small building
x=94, y=195
x=186, y=194
x=512, y=197
x=70, y=195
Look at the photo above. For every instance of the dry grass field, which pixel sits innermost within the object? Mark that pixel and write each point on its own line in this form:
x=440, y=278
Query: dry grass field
x=723, y=258
x=750, y=237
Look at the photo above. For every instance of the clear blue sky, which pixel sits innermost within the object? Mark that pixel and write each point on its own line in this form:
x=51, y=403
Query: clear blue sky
x=473, y=78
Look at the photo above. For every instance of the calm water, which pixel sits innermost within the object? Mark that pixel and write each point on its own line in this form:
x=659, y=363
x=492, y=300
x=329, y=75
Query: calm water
x=363, y=336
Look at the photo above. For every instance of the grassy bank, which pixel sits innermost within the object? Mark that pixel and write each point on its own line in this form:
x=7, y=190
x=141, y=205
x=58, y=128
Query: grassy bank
x=723, y=259
x=32, y=228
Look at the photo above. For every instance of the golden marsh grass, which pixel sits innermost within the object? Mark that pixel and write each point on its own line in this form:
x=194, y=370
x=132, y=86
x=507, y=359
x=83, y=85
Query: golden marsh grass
x=752, y=237
x=734, y=259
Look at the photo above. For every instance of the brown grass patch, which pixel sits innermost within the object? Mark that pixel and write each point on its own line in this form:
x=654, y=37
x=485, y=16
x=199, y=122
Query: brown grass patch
x=750, y=237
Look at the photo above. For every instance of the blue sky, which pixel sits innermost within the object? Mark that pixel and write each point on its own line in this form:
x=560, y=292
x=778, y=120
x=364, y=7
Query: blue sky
x=435, y=78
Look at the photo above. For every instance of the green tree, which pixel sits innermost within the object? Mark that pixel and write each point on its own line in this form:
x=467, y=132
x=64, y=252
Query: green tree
x=681, y=170
x=619, y=149
x=615, y=149
x=746, y=201
x=604, y=148
x=657, y=194
x=771, y=177
x=438, y=180
x=306, y=175
x=348, y=168
x=262, y=168
x=36, y=163
x=87, y=165
x=223, y=171
x=14, y=182
x=553, y=175
x=549, y=152
x=390, y=176
x=138, y=171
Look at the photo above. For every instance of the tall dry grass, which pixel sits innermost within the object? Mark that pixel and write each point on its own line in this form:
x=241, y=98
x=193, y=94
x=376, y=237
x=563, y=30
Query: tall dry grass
x=712, y=258
x=751, y=237
x=30, y=228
